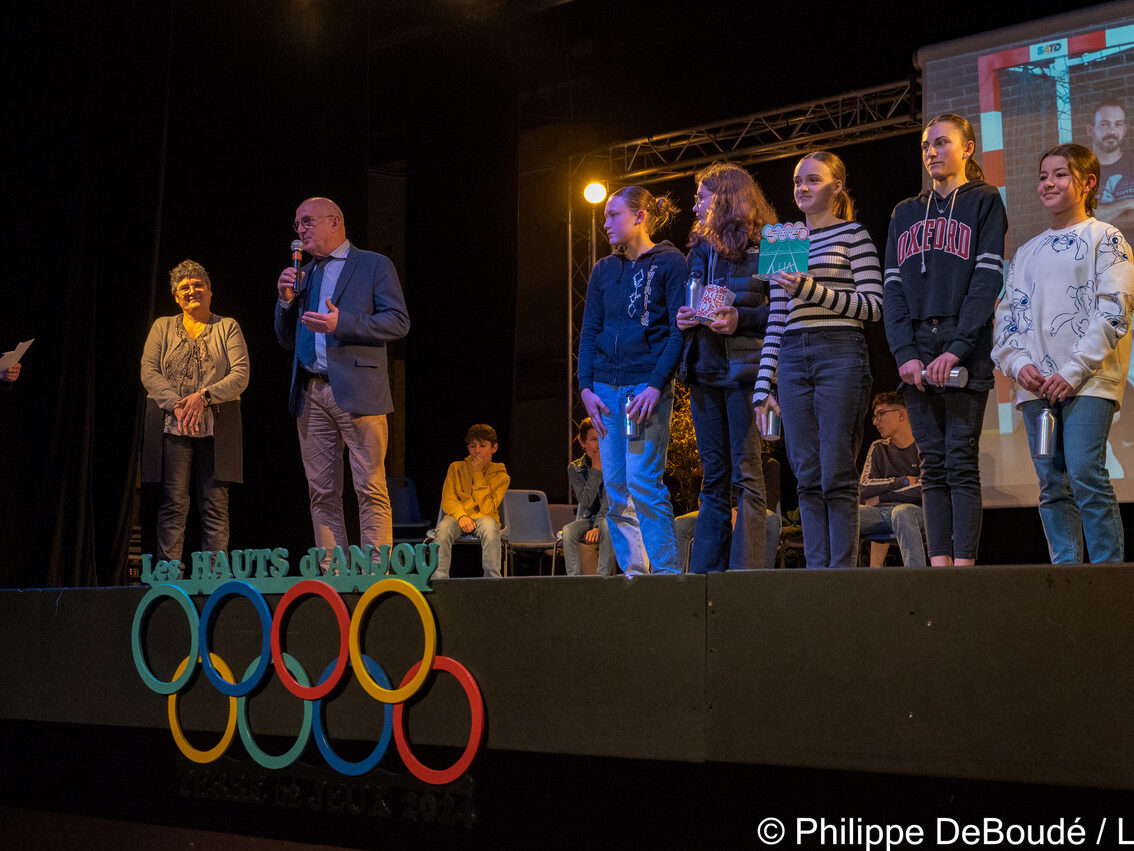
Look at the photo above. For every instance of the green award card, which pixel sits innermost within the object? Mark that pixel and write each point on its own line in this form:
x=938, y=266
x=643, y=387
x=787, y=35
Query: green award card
x=784, y=248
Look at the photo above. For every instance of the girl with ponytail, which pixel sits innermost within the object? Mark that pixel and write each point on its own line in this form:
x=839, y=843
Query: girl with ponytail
x=628, y=351
x=944, y=270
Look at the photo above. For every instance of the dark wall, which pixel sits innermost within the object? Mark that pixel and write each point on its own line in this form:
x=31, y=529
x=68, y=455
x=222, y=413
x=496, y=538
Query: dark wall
x=82, y=160
x=460, y=248
x=266, y=105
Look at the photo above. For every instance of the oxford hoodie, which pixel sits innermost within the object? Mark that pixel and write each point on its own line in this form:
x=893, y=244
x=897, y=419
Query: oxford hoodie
x=629, y=333
x=945, y=261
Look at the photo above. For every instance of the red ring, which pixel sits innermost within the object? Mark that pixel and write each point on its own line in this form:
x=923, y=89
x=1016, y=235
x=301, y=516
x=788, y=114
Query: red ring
x=476, y=705
x=322, y=589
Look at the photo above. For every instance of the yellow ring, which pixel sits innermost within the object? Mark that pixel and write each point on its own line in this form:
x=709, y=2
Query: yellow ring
x=175, y=725
x=428, y=624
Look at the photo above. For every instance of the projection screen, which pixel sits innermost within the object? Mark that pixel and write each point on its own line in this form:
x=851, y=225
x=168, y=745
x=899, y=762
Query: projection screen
x=1026, y=88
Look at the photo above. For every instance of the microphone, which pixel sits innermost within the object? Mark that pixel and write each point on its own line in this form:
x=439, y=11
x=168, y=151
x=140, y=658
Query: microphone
x=296, y=261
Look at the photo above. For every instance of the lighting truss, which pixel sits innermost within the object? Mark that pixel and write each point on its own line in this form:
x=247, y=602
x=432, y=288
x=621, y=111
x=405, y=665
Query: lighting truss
x=864, y=115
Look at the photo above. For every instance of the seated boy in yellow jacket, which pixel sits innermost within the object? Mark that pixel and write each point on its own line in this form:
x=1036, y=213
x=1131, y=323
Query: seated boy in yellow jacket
x=471, y=497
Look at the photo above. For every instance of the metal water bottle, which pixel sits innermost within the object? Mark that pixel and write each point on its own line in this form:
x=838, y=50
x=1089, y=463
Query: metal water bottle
x=773, y=425
x=1045, y=434
x=958, y=377
x=694, y=289
x=631, y=427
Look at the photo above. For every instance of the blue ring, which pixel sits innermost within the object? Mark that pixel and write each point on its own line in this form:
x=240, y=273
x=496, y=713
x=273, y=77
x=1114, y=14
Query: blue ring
x=245, y=686
x=354, y=769
x=259, y=756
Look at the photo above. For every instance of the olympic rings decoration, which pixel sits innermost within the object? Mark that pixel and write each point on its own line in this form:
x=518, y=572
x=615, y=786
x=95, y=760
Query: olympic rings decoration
x=175, y=721
x=354, y=769
x=420, y=770
x=185, y=671
x=294, y=678
x=252, y=677
x=311, y=586
x=783, y=232
x=410, y=687
x=292, y=754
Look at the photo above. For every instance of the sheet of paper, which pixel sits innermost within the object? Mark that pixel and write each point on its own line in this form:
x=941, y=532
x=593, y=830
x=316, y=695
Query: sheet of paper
x=10, y=359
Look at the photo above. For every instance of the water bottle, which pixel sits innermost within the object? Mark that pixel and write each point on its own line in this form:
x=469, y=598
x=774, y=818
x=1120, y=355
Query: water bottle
x=1045, y=434
x=694, y=289
x=958, y=377
x=773, y=425
x=631, y=427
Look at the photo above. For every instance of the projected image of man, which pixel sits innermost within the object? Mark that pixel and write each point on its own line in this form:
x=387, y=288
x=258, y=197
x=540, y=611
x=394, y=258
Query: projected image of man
x=1115, y=205
x=1116, y=190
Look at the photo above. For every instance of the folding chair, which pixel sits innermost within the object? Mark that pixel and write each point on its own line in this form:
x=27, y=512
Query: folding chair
x=471, y=537
x=409, y=525
x=561, y=515
x=529, y=525
x=879, y=548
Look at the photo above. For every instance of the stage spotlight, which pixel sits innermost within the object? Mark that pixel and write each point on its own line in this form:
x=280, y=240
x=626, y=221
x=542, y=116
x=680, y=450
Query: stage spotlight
x=595, y=193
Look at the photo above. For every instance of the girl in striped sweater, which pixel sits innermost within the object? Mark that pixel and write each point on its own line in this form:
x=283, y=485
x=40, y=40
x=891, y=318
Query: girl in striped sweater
x=816, y=347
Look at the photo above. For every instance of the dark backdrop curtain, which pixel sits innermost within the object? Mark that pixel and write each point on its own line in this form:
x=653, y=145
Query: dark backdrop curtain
x=100, y=207
x=83, y=147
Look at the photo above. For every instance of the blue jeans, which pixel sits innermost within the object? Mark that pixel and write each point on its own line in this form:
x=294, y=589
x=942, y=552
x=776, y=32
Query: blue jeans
x=728, y=441
x=904, y=521
x=946, y=426
x=824, y=382
x=639, y=514
x=487, y=530
x=573, y=534
x=183, y=459
x=1076, y=496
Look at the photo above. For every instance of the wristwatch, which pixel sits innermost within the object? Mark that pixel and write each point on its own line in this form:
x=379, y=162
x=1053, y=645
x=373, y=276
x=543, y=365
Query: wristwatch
x=208, y=397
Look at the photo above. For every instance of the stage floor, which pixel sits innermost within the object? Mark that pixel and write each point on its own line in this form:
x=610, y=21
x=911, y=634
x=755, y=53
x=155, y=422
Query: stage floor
x=1014, y=675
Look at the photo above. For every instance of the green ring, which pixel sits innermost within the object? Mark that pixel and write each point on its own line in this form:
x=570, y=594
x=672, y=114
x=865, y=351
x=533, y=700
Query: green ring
x=186, y=602
x=266, y=760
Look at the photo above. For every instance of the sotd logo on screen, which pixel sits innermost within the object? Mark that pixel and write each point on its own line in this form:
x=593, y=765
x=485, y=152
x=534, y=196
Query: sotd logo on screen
x=251, y=574
x=1048, y=50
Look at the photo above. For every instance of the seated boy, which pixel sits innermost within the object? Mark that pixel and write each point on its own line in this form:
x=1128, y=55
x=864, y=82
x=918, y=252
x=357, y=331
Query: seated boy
x=890, y=486
x=585, y=476
x=470, y=498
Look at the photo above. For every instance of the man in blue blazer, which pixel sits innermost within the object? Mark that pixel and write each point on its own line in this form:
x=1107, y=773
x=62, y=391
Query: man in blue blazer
x=338, y=317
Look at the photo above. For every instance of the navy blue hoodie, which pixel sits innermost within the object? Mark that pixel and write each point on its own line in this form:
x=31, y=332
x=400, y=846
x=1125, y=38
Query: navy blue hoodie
x=945, y=260
x=629, y=331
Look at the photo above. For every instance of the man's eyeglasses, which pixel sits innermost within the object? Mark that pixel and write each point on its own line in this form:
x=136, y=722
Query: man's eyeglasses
x=882, y=412
x=308, y=222
x=185, y=289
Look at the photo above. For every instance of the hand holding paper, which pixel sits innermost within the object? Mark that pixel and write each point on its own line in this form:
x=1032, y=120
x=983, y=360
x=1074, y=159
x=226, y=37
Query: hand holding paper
x=12, y=358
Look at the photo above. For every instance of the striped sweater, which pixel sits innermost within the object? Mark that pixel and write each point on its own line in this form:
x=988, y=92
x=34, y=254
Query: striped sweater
x=843, y=289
